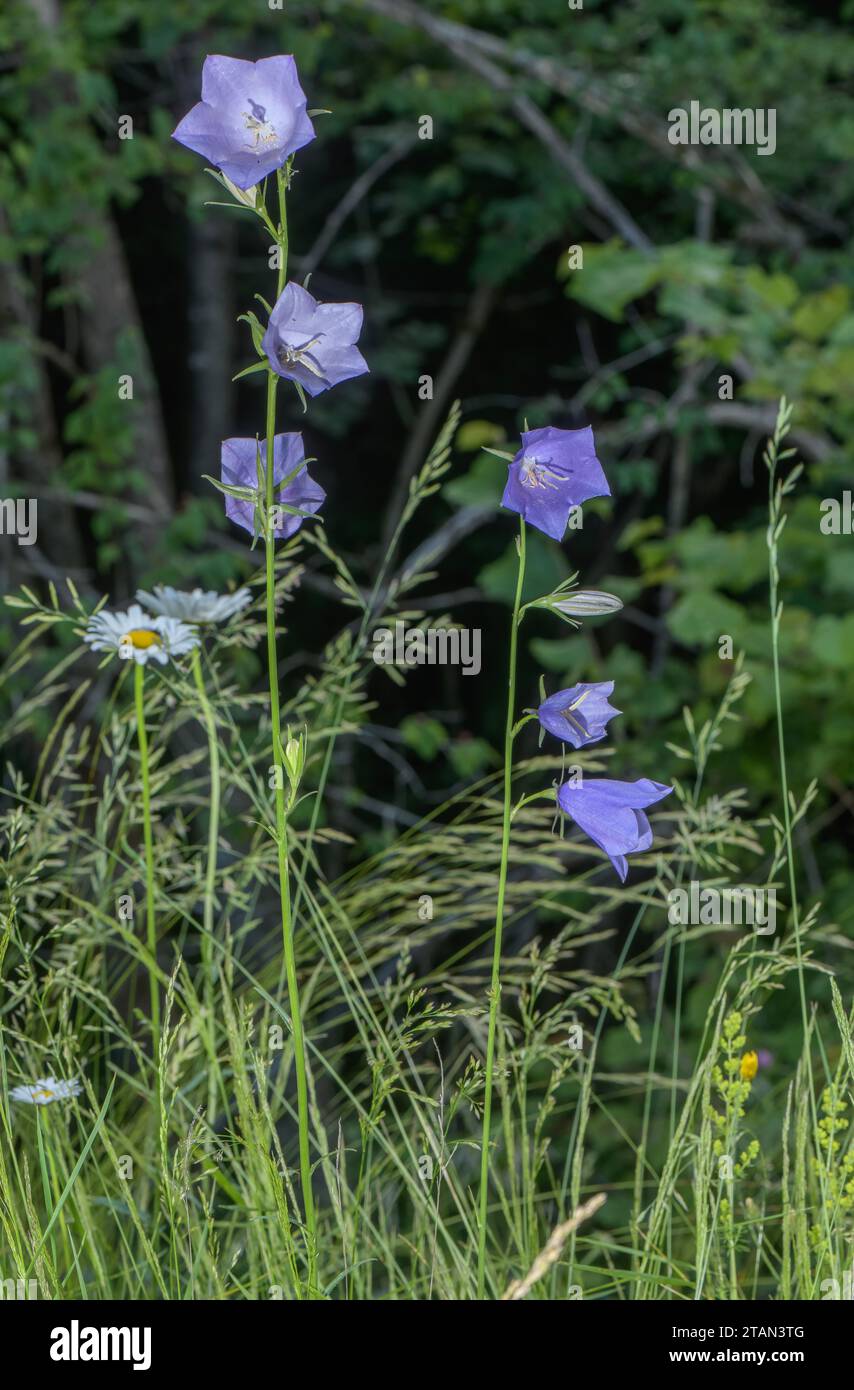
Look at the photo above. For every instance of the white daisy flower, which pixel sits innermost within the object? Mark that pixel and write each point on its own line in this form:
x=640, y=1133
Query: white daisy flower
x=197, y=606
x=138, y=637
x=46, y=1089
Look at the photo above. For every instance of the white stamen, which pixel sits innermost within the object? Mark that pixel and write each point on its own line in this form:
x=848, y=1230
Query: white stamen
x=299, y=356
x=538, y=475
x=262, y=132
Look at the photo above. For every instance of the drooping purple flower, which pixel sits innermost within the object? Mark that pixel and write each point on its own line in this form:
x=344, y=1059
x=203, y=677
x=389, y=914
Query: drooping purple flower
x=240, y=469
x=251, y=117
x=554, y=471
x=612, y=814
x=314, y=344
x=578, y=715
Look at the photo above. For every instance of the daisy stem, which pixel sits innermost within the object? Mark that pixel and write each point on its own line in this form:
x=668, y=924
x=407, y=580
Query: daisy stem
x=280, y=778
x=150, y=928
x=210, y=876
x=495, y=984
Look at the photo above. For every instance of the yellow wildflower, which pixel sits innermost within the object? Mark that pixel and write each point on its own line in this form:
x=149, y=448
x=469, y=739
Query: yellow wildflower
x=749, y=1066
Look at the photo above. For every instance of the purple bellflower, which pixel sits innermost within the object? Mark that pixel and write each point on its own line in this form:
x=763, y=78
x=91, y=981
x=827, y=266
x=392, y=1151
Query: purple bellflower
x=240, y=469
x=251, y=117
x=554, y=471
x=612, y=814
x=578, y=715
x=313, y=344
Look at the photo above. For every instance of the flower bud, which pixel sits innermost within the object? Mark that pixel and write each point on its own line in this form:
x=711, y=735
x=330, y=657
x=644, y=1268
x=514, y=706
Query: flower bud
x=585, y=603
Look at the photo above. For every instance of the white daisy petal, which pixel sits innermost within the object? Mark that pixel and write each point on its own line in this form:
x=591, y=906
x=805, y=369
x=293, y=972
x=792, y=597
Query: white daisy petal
x=196, y=605
x=46, y=1089
x=177, y=637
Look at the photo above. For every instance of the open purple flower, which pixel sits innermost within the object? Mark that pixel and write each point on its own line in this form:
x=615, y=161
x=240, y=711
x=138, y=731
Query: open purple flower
x=251, y=117
x=612, y=814
x=554, y=471
x=239, y=469
x=578, y=715
x=314, y=344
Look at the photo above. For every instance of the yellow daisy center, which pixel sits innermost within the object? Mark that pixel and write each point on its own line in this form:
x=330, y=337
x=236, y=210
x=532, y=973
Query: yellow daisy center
x=42, y=1095
x=141, y=638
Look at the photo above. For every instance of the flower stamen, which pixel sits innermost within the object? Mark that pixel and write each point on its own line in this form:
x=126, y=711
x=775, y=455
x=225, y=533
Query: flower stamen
x=567, y=713
x=263, y=131
x=299, y=355
x=535, y=474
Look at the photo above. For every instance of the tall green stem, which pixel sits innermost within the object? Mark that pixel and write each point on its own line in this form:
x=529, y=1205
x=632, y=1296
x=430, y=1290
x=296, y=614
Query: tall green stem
x=210, y=874
x=344, y=690
x=281, y=813
x=150, y=928
x=775, y=514
x=776, y=520
x=495, y=984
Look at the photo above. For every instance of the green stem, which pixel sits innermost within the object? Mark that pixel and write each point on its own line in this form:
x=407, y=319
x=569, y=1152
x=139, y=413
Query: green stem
x=775, y=496
x=281, y=813
x=150, y=928
x=210, y=875
x=495, y=983
x=781, y=750
x=369, y=612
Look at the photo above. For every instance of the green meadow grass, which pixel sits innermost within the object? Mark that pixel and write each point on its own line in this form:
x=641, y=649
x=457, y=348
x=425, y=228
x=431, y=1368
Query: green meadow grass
x=175, y=1174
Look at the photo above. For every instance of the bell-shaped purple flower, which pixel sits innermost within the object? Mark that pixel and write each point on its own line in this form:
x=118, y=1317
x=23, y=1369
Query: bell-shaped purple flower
x=313, y=344
x=612, y=814
x=578, y=715
x=239, y=459
x=554, y=471
x=251, y=117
